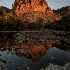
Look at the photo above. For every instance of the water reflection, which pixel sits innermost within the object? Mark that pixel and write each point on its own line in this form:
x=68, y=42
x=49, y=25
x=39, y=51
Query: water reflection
x=63, y=45
x=33, y=50
x=29, y=50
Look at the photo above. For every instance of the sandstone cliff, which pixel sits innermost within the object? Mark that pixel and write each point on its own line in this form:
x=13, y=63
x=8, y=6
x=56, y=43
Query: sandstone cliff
x=33, y=9
x=22, y=6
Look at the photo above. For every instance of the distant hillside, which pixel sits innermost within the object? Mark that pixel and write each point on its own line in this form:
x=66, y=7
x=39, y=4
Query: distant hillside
x=5, y=12
x=5, y=9
x=63, y=11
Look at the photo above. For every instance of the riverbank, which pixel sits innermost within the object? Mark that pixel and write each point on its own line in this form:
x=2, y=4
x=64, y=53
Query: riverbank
x=56, y=67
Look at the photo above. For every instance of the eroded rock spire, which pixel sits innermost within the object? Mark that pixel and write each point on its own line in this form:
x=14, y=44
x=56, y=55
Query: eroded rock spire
x=33, y=9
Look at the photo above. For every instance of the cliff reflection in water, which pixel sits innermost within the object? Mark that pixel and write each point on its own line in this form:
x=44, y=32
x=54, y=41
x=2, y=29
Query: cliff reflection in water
x=28, y=50
x=34, y=49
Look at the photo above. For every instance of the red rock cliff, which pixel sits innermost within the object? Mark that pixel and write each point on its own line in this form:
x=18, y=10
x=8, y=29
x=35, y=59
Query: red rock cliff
x=33, y=9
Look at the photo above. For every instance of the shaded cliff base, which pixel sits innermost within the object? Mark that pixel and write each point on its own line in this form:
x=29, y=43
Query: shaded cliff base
x=62, y=24
x=17, y=24
x=8, y=22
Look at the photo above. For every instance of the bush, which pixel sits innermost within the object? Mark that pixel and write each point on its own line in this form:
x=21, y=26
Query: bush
x=63, y=24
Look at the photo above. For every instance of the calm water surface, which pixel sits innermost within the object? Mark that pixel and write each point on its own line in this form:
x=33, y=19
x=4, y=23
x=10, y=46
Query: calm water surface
x=33, y=50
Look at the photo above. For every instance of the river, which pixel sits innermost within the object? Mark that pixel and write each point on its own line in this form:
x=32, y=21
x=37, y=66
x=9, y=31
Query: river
x=33, y=50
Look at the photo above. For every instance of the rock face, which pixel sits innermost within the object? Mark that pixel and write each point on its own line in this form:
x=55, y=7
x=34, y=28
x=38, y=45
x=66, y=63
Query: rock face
x=23, y=6
x=33, y=9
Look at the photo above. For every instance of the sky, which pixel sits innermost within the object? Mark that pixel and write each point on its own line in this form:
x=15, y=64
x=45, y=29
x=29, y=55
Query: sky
x=53, y=4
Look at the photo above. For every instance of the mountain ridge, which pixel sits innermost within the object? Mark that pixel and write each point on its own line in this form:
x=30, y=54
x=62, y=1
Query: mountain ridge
x=32, y=10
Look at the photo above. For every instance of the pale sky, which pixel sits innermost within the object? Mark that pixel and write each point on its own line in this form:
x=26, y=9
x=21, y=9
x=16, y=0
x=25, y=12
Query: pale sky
x=53, y=4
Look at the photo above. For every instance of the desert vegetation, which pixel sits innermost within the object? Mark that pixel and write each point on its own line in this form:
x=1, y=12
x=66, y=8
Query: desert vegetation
x=63, y=24
x=9, y=23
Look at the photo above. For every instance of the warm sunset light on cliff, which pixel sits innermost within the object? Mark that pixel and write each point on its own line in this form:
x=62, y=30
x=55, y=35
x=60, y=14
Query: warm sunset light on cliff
x=55, y=4
x=34, y=34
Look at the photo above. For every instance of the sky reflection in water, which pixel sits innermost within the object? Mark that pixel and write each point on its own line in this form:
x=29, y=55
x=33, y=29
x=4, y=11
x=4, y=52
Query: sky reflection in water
x=34, y=51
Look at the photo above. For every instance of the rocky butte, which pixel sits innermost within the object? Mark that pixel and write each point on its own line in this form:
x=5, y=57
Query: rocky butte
x=32, y=10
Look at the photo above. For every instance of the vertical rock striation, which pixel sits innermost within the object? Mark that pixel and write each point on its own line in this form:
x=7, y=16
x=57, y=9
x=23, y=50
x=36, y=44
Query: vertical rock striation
x=33, y=9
